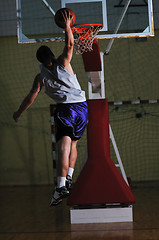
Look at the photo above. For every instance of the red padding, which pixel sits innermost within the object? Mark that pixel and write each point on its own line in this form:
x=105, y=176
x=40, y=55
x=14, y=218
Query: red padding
x=100, y=182
x=92, y=60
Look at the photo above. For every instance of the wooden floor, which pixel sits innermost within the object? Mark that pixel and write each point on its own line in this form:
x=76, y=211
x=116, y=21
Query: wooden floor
x=25, y=214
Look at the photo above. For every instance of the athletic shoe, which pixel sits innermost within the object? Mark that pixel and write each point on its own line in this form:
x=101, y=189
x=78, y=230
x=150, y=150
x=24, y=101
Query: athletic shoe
x=68, y=182
x=58, y=195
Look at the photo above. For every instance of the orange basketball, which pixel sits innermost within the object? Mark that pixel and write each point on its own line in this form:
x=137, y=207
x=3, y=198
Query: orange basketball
x=59, y=20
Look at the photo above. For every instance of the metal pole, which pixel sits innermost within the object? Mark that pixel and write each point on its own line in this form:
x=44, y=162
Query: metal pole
x=118, y=26
x=48, y=6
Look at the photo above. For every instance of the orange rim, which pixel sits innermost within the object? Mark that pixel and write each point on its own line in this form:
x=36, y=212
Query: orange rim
x=80, y=27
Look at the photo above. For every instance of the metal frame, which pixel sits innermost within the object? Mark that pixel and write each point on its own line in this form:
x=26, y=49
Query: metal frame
x=149, y=31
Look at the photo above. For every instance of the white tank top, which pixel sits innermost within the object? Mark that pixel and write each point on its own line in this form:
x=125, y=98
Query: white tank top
x=60, y=85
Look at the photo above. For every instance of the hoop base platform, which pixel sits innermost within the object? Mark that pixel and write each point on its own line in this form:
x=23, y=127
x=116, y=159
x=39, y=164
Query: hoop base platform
x=101, y=215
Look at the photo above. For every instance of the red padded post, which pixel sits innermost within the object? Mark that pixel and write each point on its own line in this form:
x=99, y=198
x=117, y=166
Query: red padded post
x=100, y=182
x=92, y=59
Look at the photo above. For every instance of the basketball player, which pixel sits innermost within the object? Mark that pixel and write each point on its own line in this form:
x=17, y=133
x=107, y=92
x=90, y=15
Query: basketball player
x=71, y=114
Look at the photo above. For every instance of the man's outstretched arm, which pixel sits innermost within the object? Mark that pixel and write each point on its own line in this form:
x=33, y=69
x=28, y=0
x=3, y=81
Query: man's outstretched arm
x=66, y=56
x=29, y=99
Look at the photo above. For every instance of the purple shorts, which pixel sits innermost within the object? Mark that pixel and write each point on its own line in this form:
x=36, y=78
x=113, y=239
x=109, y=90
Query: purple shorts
x=71, y=120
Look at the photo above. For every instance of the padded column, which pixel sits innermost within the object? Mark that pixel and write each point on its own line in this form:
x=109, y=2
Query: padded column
x=100, y=182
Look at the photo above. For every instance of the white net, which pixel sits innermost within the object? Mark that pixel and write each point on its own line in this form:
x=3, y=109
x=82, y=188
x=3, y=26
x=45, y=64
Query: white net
x=84, y=36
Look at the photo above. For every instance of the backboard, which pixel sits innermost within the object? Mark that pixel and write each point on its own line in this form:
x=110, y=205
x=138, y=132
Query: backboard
x=120, y=18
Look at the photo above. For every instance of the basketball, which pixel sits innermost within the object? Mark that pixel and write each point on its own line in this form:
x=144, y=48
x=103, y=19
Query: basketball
x=59, y=20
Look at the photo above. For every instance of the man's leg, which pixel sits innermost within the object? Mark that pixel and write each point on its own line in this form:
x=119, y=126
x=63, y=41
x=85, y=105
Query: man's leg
x=72, y=161
x=73, y=154
x=64, y=148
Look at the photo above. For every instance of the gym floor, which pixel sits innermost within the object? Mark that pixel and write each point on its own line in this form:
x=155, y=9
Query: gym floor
x=25, y=214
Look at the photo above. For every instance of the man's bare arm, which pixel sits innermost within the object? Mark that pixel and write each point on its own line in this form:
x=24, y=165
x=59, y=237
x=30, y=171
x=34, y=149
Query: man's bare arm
x=66, y=56
x=29, y=99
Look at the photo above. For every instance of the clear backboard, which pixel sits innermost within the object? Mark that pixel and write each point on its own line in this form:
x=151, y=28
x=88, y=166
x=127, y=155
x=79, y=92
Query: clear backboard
x=120, y=18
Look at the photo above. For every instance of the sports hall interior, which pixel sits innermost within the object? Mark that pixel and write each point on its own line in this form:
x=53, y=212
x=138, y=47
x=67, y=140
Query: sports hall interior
x=131, y=73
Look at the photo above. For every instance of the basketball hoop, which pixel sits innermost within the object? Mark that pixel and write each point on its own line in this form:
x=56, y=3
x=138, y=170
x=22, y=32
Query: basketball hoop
x=84, y=35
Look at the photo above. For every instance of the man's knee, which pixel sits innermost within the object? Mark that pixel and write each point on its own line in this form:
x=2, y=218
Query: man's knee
x=64, y=144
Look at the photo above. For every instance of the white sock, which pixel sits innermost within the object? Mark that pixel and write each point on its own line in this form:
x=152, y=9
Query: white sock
x=61, y=181
x=70, y=171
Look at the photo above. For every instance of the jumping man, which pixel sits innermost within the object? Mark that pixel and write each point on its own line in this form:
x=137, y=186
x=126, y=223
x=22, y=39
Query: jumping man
x=71, y=114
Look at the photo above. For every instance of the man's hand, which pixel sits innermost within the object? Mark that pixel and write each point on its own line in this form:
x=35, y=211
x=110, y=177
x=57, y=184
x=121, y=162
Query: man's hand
x=67, y=18
x=16, y=116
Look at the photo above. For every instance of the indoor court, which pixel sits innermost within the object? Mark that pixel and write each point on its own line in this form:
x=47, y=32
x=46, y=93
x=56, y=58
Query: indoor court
x=115, y=194
x=26, y=215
